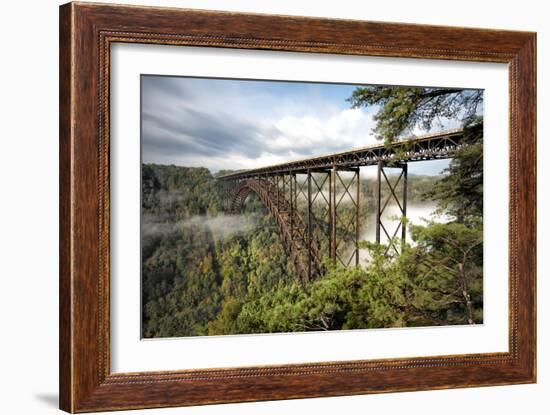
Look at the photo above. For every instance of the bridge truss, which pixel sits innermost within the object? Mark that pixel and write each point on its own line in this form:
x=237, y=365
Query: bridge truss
x=316, y=202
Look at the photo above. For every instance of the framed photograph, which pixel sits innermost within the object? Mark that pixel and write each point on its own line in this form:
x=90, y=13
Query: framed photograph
x=259, y=207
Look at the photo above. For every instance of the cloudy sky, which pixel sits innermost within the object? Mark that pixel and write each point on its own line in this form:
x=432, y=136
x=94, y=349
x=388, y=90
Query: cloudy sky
x=243, y=124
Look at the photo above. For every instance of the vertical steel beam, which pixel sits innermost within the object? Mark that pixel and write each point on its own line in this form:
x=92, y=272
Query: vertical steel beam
x=225, y=194
x=404, y=218
x=277, y=189
x=230, y=189
x=329, y=214
x=332, y=198
x=292, y=202
x=400, y=199
x=309, y=226
x=378, y=200
x=284, y=187
x=357, y=218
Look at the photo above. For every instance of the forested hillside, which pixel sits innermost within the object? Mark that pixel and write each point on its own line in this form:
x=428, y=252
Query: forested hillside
x=205, y=272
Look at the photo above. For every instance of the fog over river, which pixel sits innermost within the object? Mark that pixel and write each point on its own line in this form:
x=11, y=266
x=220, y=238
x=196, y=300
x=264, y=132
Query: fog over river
x=417, y=214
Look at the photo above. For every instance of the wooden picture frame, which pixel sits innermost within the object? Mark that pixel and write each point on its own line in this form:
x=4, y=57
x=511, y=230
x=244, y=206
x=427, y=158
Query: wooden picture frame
x=86, y=33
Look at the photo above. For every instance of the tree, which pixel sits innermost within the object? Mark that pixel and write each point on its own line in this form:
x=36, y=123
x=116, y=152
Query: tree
x=436, y=281
x=449, y=258
x=324, y=304
x=404, y=108
x=439, y=278
x=460, y=191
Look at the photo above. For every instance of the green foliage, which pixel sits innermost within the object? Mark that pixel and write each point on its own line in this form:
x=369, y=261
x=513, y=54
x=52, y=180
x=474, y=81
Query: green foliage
x=441, y=276
x=460, y=191
x=439, y=279
x=403, y=108
x=193, y=260
x=436, y=281
x=202, y=275
x=198, y=280
x=319, y=306
x=225, y=323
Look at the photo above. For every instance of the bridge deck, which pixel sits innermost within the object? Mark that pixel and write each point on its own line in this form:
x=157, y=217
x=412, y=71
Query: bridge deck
x=427, y=147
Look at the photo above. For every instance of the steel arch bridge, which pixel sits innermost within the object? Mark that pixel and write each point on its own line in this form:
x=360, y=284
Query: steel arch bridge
x=316, y=202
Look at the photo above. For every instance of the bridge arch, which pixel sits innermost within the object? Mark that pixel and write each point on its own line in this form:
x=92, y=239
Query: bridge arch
x=336, y=228
x=288, y=220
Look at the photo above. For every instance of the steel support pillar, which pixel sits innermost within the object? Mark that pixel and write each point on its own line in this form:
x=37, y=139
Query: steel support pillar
x=404, y=210
x=357, y=224
x=332, y=198
x=309, y=226
x=292, y=202
x=277, y=177
x=349, y=226
x=392, y=196
x=284, y=187
x=378, y=199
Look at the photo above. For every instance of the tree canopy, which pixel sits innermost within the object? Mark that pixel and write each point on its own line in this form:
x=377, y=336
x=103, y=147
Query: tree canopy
x=202, y=279
x=401, y=109
x=459, y=192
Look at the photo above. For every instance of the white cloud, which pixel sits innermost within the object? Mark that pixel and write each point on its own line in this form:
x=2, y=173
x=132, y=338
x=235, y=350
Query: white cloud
x=234, y=125
x=307, y=136
x=312, y=134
